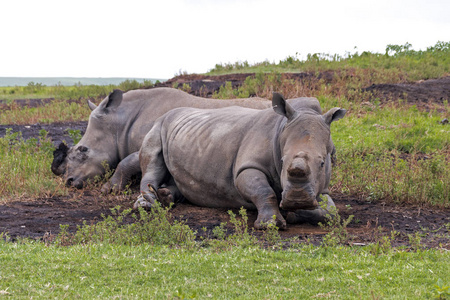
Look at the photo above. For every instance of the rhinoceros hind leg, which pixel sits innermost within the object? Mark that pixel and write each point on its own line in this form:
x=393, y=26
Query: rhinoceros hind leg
x=146, y=200
x=315, y=216
x=165, y=196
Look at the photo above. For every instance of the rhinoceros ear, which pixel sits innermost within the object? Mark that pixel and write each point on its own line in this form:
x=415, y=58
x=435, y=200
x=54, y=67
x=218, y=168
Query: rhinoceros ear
x=59, y=155
x=334, y=114
x=91, y=105
x=112, y=101
x=281, y=107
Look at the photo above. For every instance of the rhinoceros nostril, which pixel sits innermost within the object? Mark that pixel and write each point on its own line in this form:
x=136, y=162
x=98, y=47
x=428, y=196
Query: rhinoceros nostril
x=69, y=181
x=298, y=172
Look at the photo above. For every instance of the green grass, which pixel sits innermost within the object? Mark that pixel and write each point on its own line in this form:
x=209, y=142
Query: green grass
x=59, y=92
x=25, y=168
x=402, y=62
x=394, y=153
x=157, y=257
x=405, y=129
x=39, y=271
x=55, y=111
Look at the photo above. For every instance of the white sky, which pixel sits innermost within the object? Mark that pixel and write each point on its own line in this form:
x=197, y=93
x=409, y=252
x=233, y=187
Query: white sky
x=157, y=39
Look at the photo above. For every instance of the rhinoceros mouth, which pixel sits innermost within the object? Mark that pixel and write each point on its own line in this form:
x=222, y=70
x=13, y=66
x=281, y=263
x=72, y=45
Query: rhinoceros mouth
x=77, y=183
x=298, y=198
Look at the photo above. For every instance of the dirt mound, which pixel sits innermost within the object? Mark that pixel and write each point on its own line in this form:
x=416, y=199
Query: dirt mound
x=428, y=91
x=206, y=86
x=424, y=91
x=36, y=217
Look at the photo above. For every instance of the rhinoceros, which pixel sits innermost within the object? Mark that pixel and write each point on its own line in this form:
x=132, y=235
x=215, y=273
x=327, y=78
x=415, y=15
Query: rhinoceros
x=116, y=129
x=240, y=157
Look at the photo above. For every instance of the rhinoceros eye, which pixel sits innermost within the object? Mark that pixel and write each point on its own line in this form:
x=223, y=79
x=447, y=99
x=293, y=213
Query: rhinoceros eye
x=82, y=149
x=322, y=164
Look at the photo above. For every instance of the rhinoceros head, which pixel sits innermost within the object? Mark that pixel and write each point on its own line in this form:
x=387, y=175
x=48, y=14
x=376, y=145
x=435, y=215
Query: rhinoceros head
x=306, y=150
x=87, y=158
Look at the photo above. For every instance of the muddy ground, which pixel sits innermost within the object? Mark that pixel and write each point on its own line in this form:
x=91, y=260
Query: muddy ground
x=35, y=218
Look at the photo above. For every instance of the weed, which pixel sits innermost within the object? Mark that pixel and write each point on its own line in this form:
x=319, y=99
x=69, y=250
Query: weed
x=336, y=227
x=271, y=234
x=240, y=236
x=75, y=135
x=441, y=291
x=186, y=88
x=220, y=232
x=415, y=241
x=383, y=244
x=155, y=227
x=4, y=237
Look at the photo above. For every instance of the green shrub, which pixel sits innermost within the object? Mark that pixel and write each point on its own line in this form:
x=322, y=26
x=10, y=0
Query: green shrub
x=155, y=227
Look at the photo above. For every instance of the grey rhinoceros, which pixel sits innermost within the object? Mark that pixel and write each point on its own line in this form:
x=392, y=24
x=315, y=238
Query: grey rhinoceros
x=116, y=129
x=240, y=157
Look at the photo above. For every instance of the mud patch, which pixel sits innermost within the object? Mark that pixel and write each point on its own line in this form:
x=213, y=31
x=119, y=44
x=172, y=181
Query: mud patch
x=42, y=217
x=424, y=91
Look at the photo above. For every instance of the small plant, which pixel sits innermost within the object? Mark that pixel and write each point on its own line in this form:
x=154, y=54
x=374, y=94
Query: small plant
x=241, y=236
x=441, y=291
x=74, y=134
x=154, y=226
x=186, y=88
x=64, y=238
x=384, y=244
x=415, y=241
x=4, y=237
x=220, y=232
x=338, y=234
x=271, y=234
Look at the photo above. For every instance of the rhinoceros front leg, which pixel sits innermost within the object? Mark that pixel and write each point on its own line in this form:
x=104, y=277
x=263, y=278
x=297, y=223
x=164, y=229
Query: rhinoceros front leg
x=126, y=169
x=320, y=214
x=154, y=171
x=252, y=184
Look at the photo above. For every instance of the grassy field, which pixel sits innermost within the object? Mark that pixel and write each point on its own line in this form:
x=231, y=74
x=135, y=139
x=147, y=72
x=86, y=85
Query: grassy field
x=38, y=90
x=34, y=270
x=399, y=63
x=156, y=258
x=387, y=151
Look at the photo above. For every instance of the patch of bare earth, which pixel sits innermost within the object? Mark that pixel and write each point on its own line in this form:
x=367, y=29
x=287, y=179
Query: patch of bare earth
x=35, y=218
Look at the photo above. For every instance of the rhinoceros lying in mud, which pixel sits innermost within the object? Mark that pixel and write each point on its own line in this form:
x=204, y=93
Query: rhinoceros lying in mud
x=116, y=129
x=240, y=157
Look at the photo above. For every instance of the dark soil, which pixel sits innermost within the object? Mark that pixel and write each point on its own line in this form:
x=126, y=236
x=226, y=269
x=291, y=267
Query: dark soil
x=429, y=91
x=35, y=218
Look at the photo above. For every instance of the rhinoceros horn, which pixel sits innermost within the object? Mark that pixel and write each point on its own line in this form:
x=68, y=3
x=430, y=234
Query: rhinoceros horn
x=58, y=157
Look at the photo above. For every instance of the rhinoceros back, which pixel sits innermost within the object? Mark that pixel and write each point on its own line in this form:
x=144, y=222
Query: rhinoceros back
x=200, y=150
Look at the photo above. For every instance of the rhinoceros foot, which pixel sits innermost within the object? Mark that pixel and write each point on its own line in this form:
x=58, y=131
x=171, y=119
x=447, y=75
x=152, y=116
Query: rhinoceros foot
x=145, y=201
x=165, y=196
x=320, y=214
x=109, y=187
x=263, y=221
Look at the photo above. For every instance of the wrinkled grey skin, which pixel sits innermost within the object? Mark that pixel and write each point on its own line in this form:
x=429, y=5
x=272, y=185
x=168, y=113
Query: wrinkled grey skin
x=240, y=157
x=116, y=129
